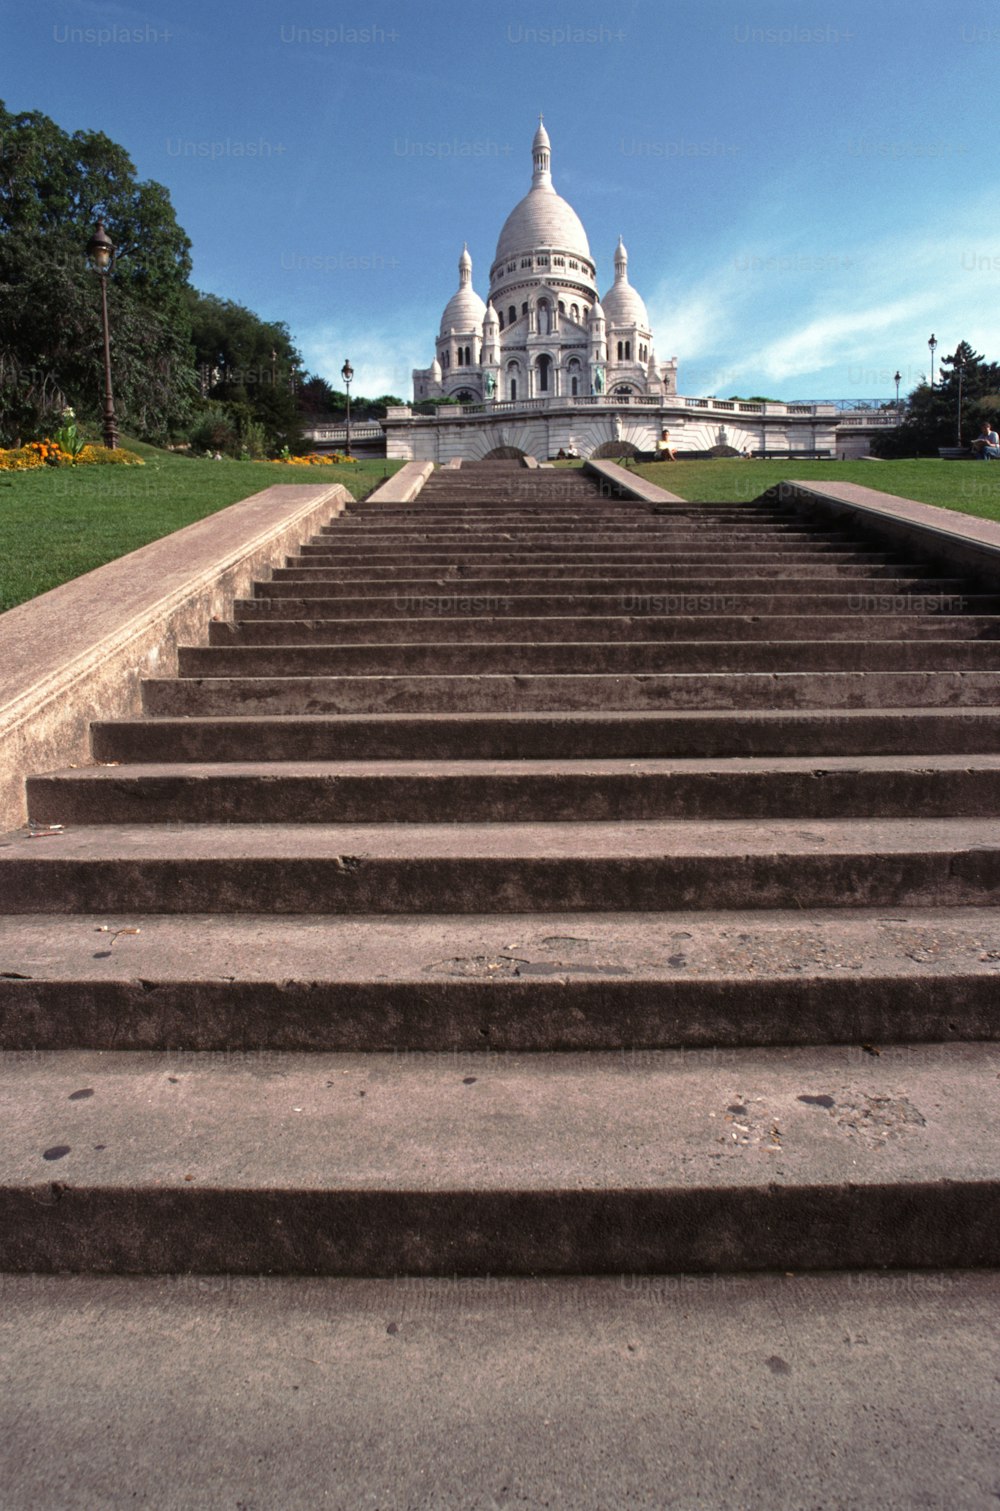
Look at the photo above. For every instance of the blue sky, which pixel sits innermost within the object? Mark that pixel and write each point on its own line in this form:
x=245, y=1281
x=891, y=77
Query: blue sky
x=807, y=188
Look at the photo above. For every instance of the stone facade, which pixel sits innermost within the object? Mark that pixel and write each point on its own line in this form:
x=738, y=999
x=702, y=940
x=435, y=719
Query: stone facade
x=612, y=426
x=544, y=333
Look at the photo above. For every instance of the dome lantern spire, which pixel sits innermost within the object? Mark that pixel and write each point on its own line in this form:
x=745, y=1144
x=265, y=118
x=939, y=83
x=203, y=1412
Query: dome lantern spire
x=541, y=158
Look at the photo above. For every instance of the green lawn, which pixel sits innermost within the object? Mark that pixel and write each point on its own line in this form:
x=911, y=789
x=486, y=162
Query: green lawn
x=58, y=522
x=969, y=487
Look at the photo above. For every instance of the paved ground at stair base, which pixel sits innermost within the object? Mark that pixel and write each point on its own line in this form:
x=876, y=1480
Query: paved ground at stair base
x=763, y=1393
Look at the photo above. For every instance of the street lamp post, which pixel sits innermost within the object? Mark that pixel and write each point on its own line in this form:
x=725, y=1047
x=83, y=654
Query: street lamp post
x=101, y=253
x=347, y=373
x=959, y=368
x=897, y=379
x=932, y=343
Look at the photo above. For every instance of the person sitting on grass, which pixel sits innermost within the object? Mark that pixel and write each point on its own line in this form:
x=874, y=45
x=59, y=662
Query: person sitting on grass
x=664, y=451
x=986, y=446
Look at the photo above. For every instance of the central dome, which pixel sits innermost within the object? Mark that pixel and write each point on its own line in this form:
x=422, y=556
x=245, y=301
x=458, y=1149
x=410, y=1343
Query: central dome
x=542, y=218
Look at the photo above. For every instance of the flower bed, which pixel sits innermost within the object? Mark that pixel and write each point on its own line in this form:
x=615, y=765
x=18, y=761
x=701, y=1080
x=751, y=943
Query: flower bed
x=314, y=459
x=49, y=453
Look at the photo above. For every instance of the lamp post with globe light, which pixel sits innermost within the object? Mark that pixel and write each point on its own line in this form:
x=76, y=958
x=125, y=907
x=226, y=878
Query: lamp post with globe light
x=347, y=373
x=101, y=252
x=932, y=343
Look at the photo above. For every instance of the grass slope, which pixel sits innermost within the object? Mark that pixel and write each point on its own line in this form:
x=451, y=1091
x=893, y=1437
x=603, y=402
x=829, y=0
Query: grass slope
x=968, y=487
x=57, y=523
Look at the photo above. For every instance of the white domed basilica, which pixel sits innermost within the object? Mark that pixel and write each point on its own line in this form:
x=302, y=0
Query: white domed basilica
x=544, y=333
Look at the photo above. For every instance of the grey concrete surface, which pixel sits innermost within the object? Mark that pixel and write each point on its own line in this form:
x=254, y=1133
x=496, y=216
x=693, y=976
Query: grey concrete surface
x=640, y=865
x=965, y=543
x=370, y=1164
x=467, y=984
x=497, y=692
x=622, y=481
x=851, y=1392
x=85, y=645
x=519, y=791
x=680, y=732
x=404, y=486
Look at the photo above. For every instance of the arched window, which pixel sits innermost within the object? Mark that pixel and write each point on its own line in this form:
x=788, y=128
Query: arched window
x=619, y=351
x=562, y=308
x=511, y=315
x=524, y=307
x=542, y=369
x=574, y=386
x=512, y=385
x=500, y=319
x=628, y=351
x=574, y=311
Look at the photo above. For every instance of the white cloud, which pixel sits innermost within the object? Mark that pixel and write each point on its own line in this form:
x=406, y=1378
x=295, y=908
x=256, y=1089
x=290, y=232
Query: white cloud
x=383, y=360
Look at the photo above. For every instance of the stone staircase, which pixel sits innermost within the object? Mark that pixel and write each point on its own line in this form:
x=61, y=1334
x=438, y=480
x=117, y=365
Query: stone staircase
x=524, y=881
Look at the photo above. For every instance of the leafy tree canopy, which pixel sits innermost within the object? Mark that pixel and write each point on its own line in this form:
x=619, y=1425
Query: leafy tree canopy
x=931, y=416
x=53, y=188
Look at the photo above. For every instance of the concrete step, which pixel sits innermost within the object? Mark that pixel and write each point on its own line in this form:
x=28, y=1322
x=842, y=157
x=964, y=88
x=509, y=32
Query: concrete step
x=635, y=532
x=626, y=866
x=701, y=582
x=484, y=1391
x=548, y=692
x=331, y=600
x=823, y=567
x=431, y=657
x=385, y=1164
x=451, y=628
x=479, y=548
x=666, y=560
x=445, y=985
x=373, y=791
x=546, y=735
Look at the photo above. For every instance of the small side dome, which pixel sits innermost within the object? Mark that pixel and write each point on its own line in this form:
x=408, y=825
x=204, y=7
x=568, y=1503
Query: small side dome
x=465, y=310
x=622, y=303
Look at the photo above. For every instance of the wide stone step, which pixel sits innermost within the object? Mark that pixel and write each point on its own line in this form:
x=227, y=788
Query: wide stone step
x=628, y=866
x=667, y=559
x=548, y=692
x=453, y=627
x=860, y=587
x=633, y=533
x=485, y=985
x=319, y=600
x=551, y=736
x=587, y=548
x=822, y=566
x=375, y=791
x=384, y=1164
x=591, y=656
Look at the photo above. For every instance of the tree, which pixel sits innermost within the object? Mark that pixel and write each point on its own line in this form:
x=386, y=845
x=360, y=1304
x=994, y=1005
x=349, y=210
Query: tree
x=931, y=417
x=249, y=367
x=53, y=188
